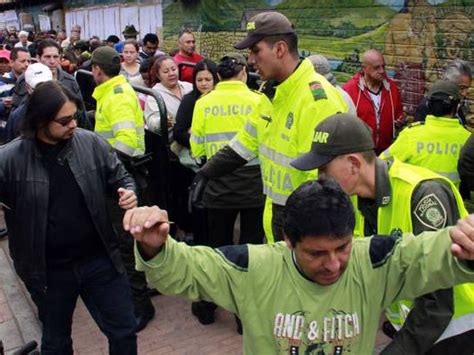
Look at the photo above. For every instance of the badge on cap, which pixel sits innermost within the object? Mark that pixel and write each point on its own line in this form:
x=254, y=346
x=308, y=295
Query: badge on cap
x=320, y=137
x=251, y=26
x=317, y=90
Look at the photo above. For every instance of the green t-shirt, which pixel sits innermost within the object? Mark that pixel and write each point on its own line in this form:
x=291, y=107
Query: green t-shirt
x=280, y=308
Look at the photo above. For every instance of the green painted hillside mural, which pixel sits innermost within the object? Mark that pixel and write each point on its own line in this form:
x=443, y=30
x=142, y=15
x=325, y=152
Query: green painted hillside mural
x=417, y=37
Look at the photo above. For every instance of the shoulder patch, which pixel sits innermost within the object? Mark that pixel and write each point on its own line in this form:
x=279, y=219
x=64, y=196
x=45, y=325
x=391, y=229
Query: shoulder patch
x=431, y=212
x=317, y=90
x=236, y=256
x=381, y=248
x=118, y=90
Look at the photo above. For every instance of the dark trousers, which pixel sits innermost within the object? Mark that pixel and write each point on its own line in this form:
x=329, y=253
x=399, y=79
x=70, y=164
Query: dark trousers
x=221, y=226
x=137, y=279
x=180, y=179
x=106, y=294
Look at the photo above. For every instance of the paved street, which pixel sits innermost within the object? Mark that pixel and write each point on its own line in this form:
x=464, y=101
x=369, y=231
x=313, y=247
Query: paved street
x=173, y=330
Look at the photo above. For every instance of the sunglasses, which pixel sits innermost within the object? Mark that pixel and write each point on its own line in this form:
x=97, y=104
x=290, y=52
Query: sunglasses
x=66, y=120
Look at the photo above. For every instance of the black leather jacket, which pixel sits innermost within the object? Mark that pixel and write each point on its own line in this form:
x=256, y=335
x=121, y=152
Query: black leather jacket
x=24, y=187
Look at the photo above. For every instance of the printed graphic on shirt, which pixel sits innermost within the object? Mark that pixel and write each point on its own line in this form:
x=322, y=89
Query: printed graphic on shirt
x=431, y=212
x=332, y=334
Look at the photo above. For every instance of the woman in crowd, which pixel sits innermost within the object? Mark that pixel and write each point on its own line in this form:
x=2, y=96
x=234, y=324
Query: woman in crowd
x=217, y=118
x=204, y=80
x=164, y=79
x=130, y=64
x=174, y=178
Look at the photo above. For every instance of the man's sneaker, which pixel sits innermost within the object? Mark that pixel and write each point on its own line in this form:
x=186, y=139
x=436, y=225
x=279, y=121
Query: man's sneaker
x=144, y=318
x=204, y=312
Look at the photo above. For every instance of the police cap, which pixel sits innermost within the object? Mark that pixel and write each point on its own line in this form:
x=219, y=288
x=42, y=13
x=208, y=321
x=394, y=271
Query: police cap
x=263, y=25
x=337, y=135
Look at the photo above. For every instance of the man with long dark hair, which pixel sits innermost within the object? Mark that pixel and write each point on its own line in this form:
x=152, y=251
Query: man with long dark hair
x=54, y=180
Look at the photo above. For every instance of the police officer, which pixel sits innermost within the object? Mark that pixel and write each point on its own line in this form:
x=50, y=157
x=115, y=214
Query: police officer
x=217, y=118
x=435, y=144
x=302, y=99
x=119, y=119
x=394, y=198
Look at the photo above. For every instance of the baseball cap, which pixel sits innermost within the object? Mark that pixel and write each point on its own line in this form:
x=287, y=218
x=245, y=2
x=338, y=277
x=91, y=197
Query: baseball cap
x=236, y=58
x=105, y=56
x=444, y=89
x=265, y=24
x=337, y=135
x=37, y=73
x=5, y=54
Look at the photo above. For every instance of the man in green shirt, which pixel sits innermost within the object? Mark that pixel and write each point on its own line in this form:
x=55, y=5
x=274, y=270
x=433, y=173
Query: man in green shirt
x=395, y=197
x=320, y=290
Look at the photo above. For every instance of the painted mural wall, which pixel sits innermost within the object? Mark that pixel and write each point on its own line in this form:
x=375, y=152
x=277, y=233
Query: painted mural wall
x=417, y=37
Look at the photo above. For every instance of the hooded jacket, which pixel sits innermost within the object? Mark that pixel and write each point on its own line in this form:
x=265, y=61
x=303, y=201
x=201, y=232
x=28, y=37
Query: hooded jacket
x=391, y=109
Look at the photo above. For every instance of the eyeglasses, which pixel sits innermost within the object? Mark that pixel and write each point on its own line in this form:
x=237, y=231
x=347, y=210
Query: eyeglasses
x=66, y=120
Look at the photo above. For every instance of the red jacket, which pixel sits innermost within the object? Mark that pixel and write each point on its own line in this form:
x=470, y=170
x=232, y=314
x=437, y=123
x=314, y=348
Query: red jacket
x=391, y=109
x=187, y=72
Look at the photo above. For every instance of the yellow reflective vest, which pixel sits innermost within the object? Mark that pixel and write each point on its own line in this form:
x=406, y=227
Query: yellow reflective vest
x=435, y=145
x=397, y=216
x=220, y=114
x=118, y=117
x=300, y=103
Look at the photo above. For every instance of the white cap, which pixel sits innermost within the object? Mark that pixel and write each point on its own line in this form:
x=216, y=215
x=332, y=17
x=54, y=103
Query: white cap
x=37, y=73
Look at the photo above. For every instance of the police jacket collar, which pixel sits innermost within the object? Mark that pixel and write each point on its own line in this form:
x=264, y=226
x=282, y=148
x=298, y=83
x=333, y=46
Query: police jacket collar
x=441, y=121
x=303, y=71
x=107, y=86
x=230, y=85
x=383, y=189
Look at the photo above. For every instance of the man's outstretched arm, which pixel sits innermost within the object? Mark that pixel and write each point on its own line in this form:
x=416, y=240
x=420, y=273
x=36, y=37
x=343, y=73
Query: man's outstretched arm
x=198, y=273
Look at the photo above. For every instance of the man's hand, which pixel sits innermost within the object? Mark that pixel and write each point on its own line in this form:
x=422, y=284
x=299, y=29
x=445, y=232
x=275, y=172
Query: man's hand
x=127, y=199
x=462, y=235
x=149, y=226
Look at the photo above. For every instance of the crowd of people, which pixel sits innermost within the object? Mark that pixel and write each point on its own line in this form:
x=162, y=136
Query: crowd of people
x=334, y=181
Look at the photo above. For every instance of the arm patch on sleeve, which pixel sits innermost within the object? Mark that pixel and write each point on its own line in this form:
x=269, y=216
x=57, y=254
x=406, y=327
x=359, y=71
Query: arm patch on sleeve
x=381, y=249
x=317, y=90
x=236, y=255
x=430, y=212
